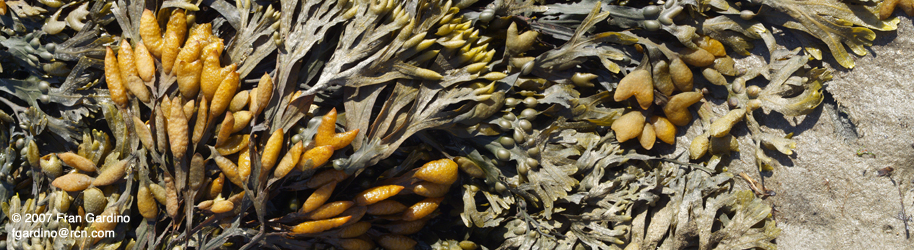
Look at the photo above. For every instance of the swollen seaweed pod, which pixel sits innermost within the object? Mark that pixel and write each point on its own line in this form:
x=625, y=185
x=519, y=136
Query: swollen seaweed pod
x=311, y=227
x=188, y=74
x=244, y=164
x=214, y=189
x=354, y=230
x=171, y=197
x=143, y=133
x=205, y=205
x=158, y=192
x=201, y=120
x=225, y=129
x=260, y=96
x=676, y=109
x=221, y=205
x=519, y=43
x=94, y=200
x=318, y=198
x=714, y=76
x=426, y=74
x=629, y=126
x=638, y=84
x=212, y=74
x=197, y=172
x=647, y=137
x=240, y=101
x=111, y=174
x=326, y=133
x=51, y=165
x=469, y=167
x=663, y=82
x=376, y=194
x=442, y=171
x=421, y=209
x=712, y=46
x=224, y=94
x=114, y=79
x=681, y=75
x=317, y=156
x=145, y=64
x=127, y=65
x=722, y=126
x=72, y=182
x=189, y=109
x=242, y=120
x=191, y=50
x=214, y=45
x=151, y=33
x=161, y=131
x=697, y=57
x=664, y=129
x=77, y=161
x=329, y=210
x=175, y=32
x=177, y=129
x=271, y=150
x=145, y=202
x=229, y=169
x=429, y=189
x=888, y=6
x=386, y=207
x=234, y=144
x=289, y=161
x=699, y=146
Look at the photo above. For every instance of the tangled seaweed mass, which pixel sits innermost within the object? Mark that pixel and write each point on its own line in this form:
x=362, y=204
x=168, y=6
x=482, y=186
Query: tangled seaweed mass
x=442, y=124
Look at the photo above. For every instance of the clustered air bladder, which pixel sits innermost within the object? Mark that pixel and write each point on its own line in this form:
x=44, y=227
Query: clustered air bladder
x=376, y=215
x=209, y=112
x=669, y=74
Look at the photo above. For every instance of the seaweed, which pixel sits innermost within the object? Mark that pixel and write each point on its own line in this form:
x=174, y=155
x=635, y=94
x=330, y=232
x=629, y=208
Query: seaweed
x=835, y=23
x=290, y=120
